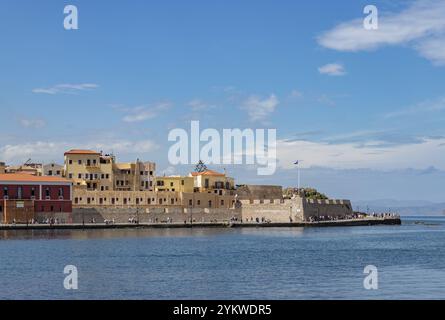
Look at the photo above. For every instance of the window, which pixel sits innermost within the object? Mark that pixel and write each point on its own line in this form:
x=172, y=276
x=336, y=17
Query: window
x=107, y=176
x=79, y=161
x=58, y=172
x=210, y=203
x=5, y=191
x=70, y=175
x=171, y=184
x=33, y=192
x=76, y=200
x=19, y=192
x=199, y=202
x=148, y=201
x=222, y=202
x=190, y=202
x=47, y=192
x=52, y=208
x=60, y=192
x=151, y=173
x=102, y=176
x=142, y=173
x=94, y=161
x=70, y=161
x=206, y=183
x=182, y=182
x=50, y=172
x=172, y=201
x=79, y=176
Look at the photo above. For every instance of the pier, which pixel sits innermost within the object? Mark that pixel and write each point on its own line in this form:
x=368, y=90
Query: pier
x=369, y=221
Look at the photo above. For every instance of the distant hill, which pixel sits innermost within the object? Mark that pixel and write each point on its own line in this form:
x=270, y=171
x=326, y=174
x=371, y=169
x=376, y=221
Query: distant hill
x=407, y=208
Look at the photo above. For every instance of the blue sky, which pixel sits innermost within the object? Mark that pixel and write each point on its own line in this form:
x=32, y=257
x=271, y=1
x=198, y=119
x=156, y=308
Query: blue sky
x=364, y=110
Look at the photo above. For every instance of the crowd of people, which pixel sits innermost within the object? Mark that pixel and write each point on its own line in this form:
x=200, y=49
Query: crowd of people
x=354, y=216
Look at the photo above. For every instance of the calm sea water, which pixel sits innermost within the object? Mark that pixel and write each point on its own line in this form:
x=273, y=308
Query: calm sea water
x=276, y=263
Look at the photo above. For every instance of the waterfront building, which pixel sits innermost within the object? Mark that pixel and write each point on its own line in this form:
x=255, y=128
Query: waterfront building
x=25, y=197
x=35, y=169
x=212, y=182
x=134, y=176
x=149, y=199
x=91, y=170
x=2, y=167
x=175, y=184
x=53, y=170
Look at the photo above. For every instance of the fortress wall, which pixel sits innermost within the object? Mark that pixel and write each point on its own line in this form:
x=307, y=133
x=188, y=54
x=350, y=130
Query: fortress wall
x=333, y=208
x=275, y=210
x=151, y=215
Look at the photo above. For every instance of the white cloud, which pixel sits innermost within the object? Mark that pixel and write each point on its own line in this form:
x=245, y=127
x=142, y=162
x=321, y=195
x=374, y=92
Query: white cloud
x=48, y=151
x=199, y=105
x=332, y=69
x=143, y=113
x=421, y=25
x=66, y=88
x=368, y=154
x=433, y=49
x=421, y=108
x=32, y=123
x=259, y=109
x=296, y=94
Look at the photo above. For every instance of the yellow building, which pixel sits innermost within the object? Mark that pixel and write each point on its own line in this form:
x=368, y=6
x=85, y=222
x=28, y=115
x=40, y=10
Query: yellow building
x=134, y=176
x=35, y=169
x=2, y=167
x=175, y=184
x=94, y=171
x=212, y=182
x=89, y=169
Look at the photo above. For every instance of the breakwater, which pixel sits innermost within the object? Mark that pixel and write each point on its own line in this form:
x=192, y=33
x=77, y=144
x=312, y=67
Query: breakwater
x=371, y=221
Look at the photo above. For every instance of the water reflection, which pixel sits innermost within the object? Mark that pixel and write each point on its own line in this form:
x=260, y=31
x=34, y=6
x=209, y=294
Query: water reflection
x=78, y=234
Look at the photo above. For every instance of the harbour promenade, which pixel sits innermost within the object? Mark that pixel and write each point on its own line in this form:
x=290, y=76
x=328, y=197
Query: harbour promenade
x=368, y=221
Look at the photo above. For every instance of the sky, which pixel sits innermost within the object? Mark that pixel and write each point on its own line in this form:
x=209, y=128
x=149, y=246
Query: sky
x=364, y=109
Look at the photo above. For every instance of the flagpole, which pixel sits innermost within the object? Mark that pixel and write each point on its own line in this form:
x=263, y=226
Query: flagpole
x=298, y=174
x=298, y=170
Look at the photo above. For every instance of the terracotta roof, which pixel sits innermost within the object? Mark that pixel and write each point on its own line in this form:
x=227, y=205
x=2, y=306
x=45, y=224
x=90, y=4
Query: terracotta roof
x=79, y=151
x=23, y=177
x=208, y=173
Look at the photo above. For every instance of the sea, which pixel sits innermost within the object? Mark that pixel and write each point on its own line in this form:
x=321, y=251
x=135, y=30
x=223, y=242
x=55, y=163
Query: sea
x=373, y=262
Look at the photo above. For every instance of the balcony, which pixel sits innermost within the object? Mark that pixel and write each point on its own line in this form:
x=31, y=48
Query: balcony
x=92, y=166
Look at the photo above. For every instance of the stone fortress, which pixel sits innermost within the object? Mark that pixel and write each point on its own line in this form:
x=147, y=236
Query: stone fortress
x=99, y=189
x=246, y=204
